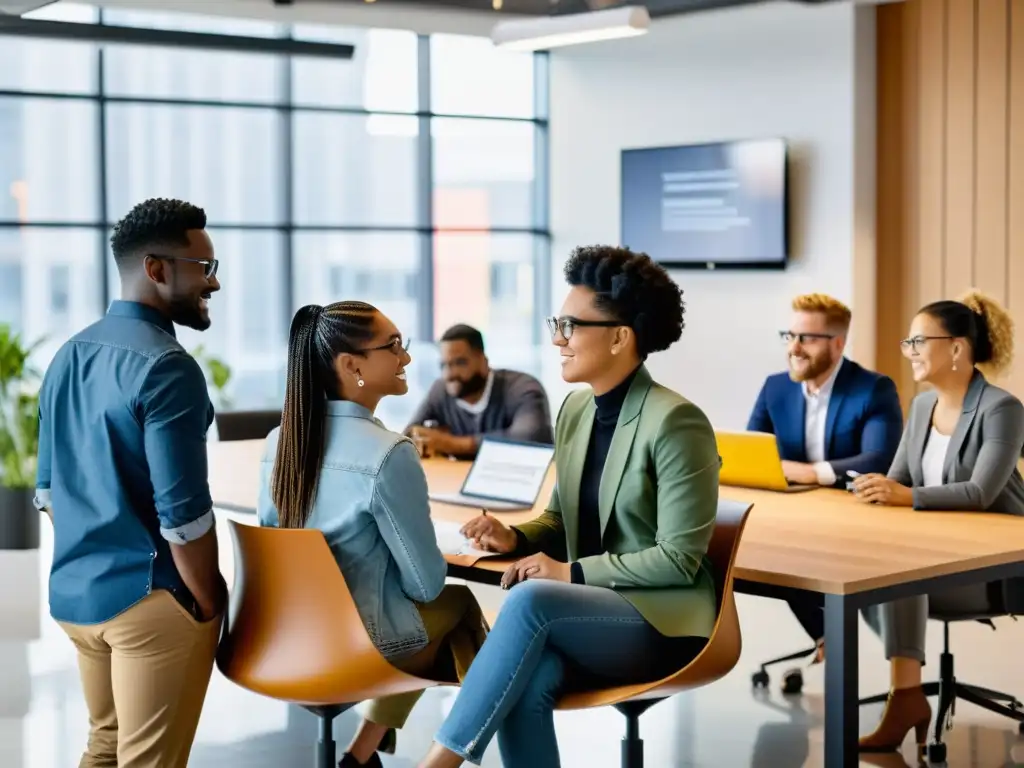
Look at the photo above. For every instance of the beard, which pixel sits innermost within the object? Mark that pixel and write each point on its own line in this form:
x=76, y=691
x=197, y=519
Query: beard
x=185, y=311
x=471, y=386
x=815, y=366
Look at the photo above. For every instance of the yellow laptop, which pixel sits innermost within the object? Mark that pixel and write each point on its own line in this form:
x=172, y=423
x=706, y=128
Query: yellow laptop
x=751, y=460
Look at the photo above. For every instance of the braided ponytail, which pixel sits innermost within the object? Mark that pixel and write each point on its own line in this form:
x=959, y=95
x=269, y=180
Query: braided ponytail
x=317, y=336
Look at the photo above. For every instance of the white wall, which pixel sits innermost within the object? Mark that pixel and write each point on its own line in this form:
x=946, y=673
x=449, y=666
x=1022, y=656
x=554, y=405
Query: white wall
x=768, y=70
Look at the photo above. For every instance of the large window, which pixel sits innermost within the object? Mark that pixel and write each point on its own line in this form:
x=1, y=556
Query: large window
x=410, y=175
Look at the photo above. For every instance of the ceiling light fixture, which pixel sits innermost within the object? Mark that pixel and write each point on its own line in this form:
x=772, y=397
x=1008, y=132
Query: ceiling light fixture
x=18, y=7
x=540, y=34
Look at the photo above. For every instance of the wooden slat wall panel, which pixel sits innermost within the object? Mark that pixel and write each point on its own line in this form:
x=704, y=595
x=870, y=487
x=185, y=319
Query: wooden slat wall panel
x=958, y=272
x=931, y=157
x=951, y=149
x=1015, y=168
x=992, y=131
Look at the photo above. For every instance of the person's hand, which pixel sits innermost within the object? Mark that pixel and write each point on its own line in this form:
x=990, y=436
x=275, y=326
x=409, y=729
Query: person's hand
x=440, y=441
x=538, y=566
x=800, y=473
x=881, y=490
x=490, y=534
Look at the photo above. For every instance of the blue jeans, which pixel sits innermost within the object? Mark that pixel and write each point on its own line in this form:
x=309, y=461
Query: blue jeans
x=549, y=634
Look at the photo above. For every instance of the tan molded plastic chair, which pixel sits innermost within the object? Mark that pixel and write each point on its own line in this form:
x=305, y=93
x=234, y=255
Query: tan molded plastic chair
x=716, y=660
x=293, y=632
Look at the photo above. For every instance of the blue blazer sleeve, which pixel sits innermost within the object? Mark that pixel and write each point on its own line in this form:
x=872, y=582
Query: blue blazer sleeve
x=760, y=419
x=880, y=434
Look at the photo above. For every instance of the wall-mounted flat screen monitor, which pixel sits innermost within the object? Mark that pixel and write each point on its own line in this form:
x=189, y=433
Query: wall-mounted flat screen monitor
x=708, y=206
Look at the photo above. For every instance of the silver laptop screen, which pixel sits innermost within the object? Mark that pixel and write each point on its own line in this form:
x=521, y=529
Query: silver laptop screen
x=510, y=471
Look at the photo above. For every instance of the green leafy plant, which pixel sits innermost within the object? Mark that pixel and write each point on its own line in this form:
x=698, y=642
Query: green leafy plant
x=218, y=375
x=19, y=411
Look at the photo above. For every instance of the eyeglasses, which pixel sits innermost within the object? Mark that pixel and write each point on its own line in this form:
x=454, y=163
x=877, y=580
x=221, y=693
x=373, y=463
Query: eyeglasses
x=209, y=265
x=916, y=342
x=803, y=338
x=396, y=345
x=566, y=325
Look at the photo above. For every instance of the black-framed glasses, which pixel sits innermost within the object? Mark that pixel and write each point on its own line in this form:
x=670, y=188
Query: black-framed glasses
x=916, y=342
x=566, y=325
x=789, y=336
x=209, y=265
x=396, y=345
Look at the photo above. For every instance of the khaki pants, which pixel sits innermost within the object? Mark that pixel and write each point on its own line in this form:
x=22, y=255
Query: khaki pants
x=453, y=609
x=145, y=674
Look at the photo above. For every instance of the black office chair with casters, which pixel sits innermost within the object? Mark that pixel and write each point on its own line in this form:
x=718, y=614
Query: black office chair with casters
x=1007, y=599
x=792, y=681
x=246, y=425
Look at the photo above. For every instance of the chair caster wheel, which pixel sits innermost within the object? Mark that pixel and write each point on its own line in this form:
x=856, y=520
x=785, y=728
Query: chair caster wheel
x=793, y=682
x=759, y=679
x=936, y=753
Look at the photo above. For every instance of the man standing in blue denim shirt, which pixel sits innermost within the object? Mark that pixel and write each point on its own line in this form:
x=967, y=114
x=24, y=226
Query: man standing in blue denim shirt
x=124, y=411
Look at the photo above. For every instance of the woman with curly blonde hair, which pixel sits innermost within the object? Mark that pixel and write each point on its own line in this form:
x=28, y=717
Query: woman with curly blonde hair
x=959, y=451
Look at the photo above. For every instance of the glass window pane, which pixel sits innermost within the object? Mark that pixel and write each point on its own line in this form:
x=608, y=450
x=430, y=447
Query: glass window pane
x=487, y=280
x=48, y=173
x=47, y=66
x=223, y=159
x=182, y=73
x=469, y=76
x=51, y=283
x=380, y=76
x=381, y=268
x=355, y=169
x=483, y=173
x=248, y=330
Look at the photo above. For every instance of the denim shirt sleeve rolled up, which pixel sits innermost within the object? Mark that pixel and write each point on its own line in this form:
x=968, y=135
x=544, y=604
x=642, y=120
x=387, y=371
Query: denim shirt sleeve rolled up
x=173, y=408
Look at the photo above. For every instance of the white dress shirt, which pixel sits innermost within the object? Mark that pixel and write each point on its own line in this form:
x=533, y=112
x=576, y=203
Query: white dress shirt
x=815, y=421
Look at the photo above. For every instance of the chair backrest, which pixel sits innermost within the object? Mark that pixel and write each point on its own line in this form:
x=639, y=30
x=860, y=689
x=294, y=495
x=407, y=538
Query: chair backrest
x=246, y=425
x=729, y=523
x=723, y=648
x=293, y=632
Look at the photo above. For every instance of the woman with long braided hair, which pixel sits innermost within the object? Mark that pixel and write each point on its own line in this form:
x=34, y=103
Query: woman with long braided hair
x=332, y=465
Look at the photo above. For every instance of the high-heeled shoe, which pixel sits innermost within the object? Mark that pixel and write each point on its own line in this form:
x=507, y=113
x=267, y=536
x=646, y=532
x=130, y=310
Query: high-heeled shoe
x=347, y=761
x=905, y=709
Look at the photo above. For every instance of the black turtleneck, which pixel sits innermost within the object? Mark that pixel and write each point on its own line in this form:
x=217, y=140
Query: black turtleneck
x=606, y=418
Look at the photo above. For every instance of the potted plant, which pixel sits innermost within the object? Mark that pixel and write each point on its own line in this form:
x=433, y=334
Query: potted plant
x=19, y=442
x=218, y=374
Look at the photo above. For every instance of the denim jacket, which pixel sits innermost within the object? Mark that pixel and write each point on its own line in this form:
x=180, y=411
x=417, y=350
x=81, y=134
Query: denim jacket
x=371, y=504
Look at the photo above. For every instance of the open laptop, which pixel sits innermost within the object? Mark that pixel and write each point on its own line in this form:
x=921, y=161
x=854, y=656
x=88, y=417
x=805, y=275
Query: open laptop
x=751, y=460
x=506, y=475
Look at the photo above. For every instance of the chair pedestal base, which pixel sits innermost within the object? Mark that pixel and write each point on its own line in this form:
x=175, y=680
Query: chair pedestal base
x=632, y=744
x=326, y=748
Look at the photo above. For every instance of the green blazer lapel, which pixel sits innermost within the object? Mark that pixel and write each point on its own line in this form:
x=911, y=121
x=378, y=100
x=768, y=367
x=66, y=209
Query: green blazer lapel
x=569, y=477
x=622, y=444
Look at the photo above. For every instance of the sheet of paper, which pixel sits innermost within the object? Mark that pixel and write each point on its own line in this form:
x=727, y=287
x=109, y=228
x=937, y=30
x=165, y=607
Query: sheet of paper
x=452, y=542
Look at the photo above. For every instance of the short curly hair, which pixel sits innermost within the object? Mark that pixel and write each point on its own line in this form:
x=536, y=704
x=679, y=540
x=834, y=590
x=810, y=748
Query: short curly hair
x=155, y=222
x=984, y=323
x=634, y=290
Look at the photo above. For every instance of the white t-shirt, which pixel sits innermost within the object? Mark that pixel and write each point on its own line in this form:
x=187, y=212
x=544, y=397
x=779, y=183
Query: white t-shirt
x=934, y=457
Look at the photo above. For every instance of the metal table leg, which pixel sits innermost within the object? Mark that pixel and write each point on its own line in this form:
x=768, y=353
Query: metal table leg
x=842, y=723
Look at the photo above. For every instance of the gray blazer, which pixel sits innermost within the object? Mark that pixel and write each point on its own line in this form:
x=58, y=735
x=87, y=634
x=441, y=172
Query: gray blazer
x=980, y=472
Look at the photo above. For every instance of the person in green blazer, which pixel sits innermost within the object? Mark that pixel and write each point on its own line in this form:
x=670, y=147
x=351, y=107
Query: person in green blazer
x=612, y=584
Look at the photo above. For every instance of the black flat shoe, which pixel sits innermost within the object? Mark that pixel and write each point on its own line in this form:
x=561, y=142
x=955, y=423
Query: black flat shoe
x=347, y=761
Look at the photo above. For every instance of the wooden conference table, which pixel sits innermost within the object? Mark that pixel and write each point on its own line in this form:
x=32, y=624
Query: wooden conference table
x=821, y=541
